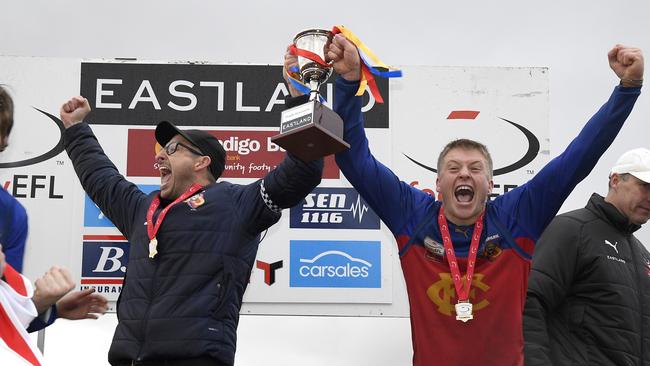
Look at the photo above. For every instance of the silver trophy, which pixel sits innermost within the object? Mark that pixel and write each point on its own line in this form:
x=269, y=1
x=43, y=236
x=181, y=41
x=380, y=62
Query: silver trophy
x=311, y=130
x=312, y=73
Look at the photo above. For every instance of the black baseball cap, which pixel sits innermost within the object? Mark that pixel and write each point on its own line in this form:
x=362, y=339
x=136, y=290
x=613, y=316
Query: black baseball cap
x=207, y=144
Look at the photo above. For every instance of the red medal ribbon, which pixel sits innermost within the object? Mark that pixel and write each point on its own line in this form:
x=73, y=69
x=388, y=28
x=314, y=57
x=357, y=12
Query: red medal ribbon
x=153, y=230
x=462, y=292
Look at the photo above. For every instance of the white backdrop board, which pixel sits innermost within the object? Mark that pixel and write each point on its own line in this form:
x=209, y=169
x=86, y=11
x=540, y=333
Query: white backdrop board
x=328, y=256
x=571, y=38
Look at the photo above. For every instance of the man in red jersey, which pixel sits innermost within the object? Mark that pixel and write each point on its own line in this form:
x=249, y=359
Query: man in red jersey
x=442, y=243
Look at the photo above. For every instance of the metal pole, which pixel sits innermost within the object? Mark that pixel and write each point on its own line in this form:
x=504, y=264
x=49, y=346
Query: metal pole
x=41, y=340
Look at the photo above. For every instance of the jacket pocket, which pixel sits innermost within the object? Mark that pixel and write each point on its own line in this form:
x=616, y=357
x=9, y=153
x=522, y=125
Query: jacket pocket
x=581, y=350
x=221, y=287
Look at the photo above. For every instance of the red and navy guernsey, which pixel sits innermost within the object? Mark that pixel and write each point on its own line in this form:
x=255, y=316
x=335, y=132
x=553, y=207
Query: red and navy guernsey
x=513, y=222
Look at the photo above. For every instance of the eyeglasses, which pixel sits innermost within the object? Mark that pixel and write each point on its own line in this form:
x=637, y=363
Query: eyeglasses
x=171, y=148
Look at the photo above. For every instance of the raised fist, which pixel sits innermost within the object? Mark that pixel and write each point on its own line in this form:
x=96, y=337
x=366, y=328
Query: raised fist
x=627, y=63
x=74, y=111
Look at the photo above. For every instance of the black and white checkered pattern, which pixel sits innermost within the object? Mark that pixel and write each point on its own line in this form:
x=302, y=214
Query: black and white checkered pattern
x=267, y=200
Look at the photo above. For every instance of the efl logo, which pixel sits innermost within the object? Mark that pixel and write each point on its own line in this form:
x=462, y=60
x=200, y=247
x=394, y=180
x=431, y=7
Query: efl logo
x=344, y=264
x=249, y=154
x=93, y=217
x=32, y=186
x=334, y=208
x=104, y=261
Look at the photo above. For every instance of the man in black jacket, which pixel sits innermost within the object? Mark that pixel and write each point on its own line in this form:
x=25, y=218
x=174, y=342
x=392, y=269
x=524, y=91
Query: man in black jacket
x=589, y=290
x=193, y=243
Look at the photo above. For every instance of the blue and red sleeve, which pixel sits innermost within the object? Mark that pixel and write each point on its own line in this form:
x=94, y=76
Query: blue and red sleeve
x=531, y=206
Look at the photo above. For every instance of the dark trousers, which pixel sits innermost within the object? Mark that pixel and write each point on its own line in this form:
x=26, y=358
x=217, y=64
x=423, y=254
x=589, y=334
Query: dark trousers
x=200, y=361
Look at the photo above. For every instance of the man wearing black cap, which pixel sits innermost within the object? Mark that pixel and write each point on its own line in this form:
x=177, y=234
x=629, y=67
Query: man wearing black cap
x=193, y=244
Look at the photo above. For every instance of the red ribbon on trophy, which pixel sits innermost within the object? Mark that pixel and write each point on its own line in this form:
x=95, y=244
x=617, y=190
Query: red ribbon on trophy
x=368, y=71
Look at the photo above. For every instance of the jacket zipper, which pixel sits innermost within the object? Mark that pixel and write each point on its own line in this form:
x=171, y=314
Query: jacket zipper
x=151, y=298
x=630, y=239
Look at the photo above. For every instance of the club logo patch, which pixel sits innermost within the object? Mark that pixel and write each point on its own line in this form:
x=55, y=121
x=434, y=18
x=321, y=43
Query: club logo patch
x=492, y=251
x=435, y=250
x=195, y=201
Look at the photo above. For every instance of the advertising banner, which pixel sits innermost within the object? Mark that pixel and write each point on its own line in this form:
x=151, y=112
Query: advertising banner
x=330, y=254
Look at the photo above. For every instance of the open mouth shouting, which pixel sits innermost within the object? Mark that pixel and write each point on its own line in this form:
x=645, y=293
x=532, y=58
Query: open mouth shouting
x=165, y=176
x=464, y=193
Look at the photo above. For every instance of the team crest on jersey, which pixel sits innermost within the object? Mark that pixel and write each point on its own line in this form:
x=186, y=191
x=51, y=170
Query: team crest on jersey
x=492, y=251
x=195, y=201
x=443, y=293
x=435, y=251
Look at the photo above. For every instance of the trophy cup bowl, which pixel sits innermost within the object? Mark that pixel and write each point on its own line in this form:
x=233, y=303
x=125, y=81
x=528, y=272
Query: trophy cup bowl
x=311, y=130
x=312, y=73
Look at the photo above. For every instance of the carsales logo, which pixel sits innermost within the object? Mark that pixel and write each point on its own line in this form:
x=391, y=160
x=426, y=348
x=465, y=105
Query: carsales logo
x=345, y=264
x=249, y=154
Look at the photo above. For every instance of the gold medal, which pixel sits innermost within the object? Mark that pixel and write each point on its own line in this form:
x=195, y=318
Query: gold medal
x=464, y=311
x=152, y=228
x=462, y=284
x=153, y=244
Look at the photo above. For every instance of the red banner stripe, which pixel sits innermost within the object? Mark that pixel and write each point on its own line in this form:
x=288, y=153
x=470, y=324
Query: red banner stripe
x=140, y=155
x=104, y=237
x=463, y=114
x=103, y=281
x=15, y=280
x=14, y=340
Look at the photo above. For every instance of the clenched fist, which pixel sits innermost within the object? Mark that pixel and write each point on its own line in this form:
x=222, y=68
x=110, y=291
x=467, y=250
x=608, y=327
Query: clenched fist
x=54, y=284
x=74, y=111
x=345, y=58
x=290, y=61
x=627, y=63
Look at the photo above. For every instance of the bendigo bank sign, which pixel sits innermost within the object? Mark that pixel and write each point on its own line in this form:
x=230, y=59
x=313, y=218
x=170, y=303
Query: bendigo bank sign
x=249, y=154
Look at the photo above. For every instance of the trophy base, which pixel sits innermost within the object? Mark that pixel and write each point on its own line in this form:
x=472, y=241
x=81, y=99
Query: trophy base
x=311, y=131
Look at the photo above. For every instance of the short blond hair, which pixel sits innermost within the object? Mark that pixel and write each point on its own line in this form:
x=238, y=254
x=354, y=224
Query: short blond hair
x=466, y=144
